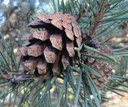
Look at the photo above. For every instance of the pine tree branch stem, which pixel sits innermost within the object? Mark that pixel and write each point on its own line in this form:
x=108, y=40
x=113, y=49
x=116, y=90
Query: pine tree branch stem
x=81, y=10
x=119, y=83
x=98, y=18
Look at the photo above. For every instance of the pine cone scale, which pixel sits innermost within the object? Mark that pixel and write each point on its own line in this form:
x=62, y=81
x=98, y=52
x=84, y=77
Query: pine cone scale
x=41, y=35
x=36, y=24
x=65, y=62
x=42, y=67
x=70, y=48
x=44, y=18
x=69, y=34
x=56, y=40
x=67, y=26
x=50, y=55
x=35, y=50
x=57, y=23
x=30, y=64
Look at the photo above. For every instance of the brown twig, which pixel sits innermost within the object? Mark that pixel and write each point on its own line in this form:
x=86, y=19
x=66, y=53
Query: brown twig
x=81, y=11
x=119, y=83
x=98, y=18
x=16, y=76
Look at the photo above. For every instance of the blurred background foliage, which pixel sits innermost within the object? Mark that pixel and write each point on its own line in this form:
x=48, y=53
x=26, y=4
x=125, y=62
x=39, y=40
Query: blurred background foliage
x=113, y=31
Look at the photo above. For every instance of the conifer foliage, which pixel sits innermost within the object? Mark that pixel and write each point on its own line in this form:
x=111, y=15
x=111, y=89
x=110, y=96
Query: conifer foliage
x=67, y=59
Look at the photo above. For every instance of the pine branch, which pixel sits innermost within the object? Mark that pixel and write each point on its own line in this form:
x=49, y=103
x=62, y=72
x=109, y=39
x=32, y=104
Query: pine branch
x=120, y=83
x=98, y=18
x=91, y=69
x=81, y=11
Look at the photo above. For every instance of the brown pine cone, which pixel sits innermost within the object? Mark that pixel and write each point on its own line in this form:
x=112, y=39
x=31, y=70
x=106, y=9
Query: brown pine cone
x=51, y=44
x=51, y=48
x=102, y=67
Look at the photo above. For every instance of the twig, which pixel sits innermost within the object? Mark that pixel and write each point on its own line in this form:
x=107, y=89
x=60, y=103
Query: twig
x=16, y=76
x=81, y=10
x=119, y=83
x=98, y=18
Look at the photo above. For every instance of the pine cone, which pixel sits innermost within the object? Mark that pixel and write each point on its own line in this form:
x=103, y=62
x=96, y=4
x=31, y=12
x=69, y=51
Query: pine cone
x=51, y=44
x=51, y=48
x=102, y=67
